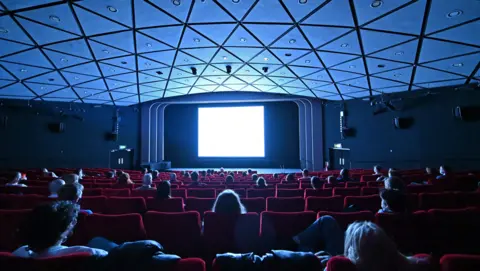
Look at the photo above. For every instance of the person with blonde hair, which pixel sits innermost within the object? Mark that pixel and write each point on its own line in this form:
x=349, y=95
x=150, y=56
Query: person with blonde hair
x=228, y=202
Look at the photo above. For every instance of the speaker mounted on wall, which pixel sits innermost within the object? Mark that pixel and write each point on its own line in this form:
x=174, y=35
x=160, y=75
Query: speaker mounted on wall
x=467, y=113
x=111, y=136
x=402, y=123
x=57, y=127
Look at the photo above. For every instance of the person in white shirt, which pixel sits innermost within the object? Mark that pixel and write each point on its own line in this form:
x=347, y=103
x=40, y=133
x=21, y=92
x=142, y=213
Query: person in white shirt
x=54, y=186
x=16, y=180
x=71, y=178
x=47, y=228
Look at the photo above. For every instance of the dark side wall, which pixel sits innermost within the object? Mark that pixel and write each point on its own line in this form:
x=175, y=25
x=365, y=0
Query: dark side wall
x=434, y=138
x=27, y=142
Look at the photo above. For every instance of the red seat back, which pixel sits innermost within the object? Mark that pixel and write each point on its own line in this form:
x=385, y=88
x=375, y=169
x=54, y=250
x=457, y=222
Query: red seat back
x=179, y=193
x=468, y=199
x=286, y=204
x=288, y=186
x=200, y=205
x=92, y=192
x=201, y=193
x=355, y=184
x=424, y=188
x=332, y=185
x=10, y=222
x=122, y=205
x=340, y=263
x=333, y=204
x=457, y=262
x=368, y=203
x=326, y=192
x=179, y=233
x=117, y=228
x=289, y=193
x=350, y=191
x=19, y=202
x=444, y=200
x=260, y=193
x=96, y=204
x=256, y=205
x=375, y=184
x=166, y=205
x=366, y=191
x=125, y=192
x=144, y=193
x=345, y=219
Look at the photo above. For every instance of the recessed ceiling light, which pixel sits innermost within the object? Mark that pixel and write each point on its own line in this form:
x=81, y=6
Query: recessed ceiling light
x=302, y=1
x=456, y=65
x=225, y=58
x=23, y=70
x=344, y=45
x=247, y=70
x=112, y=70
x=42, y=88
x=176, y=2
x=146, y=78
x=105, y=51
x=376, y=4
x=292, y=41
x=112, y=9
x=397, y=75
x=454, y=13
x=76, y=78
x=148, y=44
x=159, y=72
x=54, y=18
x=399, y=53
x=186, y=80
x=243, y=39
x=63, y=59
x=265, y=58
x=381, y=65
x=148, y=64
x=197, y=40
x=124, y=62
x=186, y=60
x=236, y=1
x=307, y=61
x=352, y=66
x=115, y=84
x=288, y=54
x=51, y=79
x=3, y=30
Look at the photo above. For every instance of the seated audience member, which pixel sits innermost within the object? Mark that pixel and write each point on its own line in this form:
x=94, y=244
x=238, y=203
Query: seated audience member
x=254, y=178
x=124, y=180
x=316, y=183
x=444, y=172
x=146, y=182
x=377, y=170
x=395, y=183
x=344, y=176
x=393, y=201
x=72, y=192
x=16, y=180
x=229, y=179
x=163, y=190
x=261, y=183
x=221, y=175
x=155, y=174
x=46, y=173
x=244, y=174
x=110, y=174
x=47, y=228
x=275, y=176
x=80, y=174
x=209, y=172
x=222, y=170
x=119, y=173
x=305, y=176
x=228, y=202
x=332, y=180
x=289, y=179
x=145, y=171
x=173, y=178
x=54, y=186
x=195, y=181
x=249, y=171
x=187, y=175
x=71, y=178
x=231, y=173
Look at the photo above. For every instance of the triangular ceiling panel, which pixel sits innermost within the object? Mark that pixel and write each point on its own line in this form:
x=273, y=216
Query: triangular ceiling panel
x=369, y=10
x=379, y=83
x=283, y=72
x=309, y=60
x=197, y=91
x=63, y=60
x=121, y=40
x=288, y=55
x=374, y=41
x=244, y=54
x=114, y=84
x=4, y=83
x=402, y=75
x=10, y=47
x=58, y=16
x=156, y=85
x=320, y=35
x=44, y=34
x=102, y=51
x=268, y=11
x=184, y=59
x=162, y=73
x=216, y=32
x=320, y=75
x=147, y=15
x=53, y=78
x=292, y=39
x=331, y=59
x=16, y=90
x=462, y=64
x=126, y=77
x=32, y=57
x=247, y=70
x=88, y=69
x=225, y=57
x=379, y=65
x=281, y=80
x=205, y=54
x=192, y=39
x=300, y=9
x=462, y=33
x=241, y=37
x=303, y=71
x=443, y=83
x=126, y=62
x=76, y=47
x=434, y=49
x=95, y=84
x=147, y=64
x=93, y=24
x=357, y=82
x=109, y=70
x=147, y=44
x=336, y=13
x=404, y=52
x=267, y=37
x=177, y=9
x=22, y=71
x=423, y=75
x=248, y=79
x=42, y=89
x=165, y=57
x=446, y=13
x=314, y=83
x=265, y=57
x=117, y=10
x=11, y=31
x=346, y=44
x=342, y=75
x=168, y=34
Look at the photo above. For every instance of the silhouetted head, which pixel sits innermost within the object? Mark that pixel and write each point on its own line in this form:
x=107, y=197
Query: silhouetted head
x=393, y=200
x=229, y=179
x=290, y=178
x=228, y=202
x=254, y=177
x=395, y=183
x=305, y=173
x=55, y=185
x=71, y=192
x=377, y=169
x=249, y=171
x=194, y=176
x=345, y=173
x=124, y=179
x=316, y=182
x=275, y=175
x=71, y=178
x=261, y=182
x=147, y=179
x=244, y=174
x=163, y=190
x=444, y=170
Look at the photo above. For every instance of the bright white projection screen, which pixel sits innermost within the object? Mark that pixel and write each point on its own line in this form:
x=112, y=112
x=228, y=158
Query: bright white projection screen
x=231, y=131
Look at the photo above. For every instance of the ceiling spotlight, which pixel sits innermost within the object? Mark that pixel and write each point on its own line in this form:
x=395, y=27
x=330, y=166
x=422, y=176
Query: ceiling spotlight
x=197, y=40
x=397, y=75
x=292, y=41
x=265, y=69
x=148, y=44
x=194, y=70
x=344, y=45
x=3, y=30
x=105, y=51
x=148, y=64
x=247, y=70
x=307, y=61
x=376, y=4
x=288, y=54
x=236, y=1
x=176, y=2
x=63, y=59
x=265, y=58
x=159, y=72
x=225, y=57
x=454, y=13
x=23, y=70
x=229, y=69
x=124, y=62
x=112, y=9
x=457, y=65
x=352, y=66
x=115, y=84
x=76, y=78
x=42, y=88
x=54, y=18
x=51, y=79
x=399, y=53
x=302, y=2
x=185, y=60
x=381, y=65
x=243, y=39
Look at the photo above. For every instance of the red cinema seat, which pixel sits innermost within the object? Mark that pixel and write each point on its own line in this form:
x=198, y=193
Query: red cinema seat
x=310, y=192
x=19, y=202
x=125, y=192
x=355, y=184
x=350, y=191
x=277, y=229
x=89, y=192
x=231, y=233
x=239, y=186
x=179, y=193
x=375, y=184
x=122, y=205
x=466, y=183
x=103, y=185
x=144, y=193
x=459, y=262
x=289, y=193
x=368, y=203
x=444, y=200
x=201, y=193
x=286, y=204
x=190, y=264
x=96, y=204
x=368, y=178
x=75, y=262
x=366, y=191
x=179, y=233
x=172, y=205
x=117, y=228
x=468, y=199
x=36, y=190
x=316, y=204
x=10, y=222
x=123, y=186
x=255, y=205
x=200, y=205
x=340, y=263
x=345, y=219
x=260, y=193
x=424, y=188
x=333, y=185
x=288, y=186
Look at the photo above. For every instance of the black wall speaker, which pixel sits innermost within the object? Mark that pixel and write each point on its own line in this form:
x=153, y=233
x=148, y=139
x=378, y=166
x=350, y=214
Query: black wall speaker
x=402, y=123
x=57, y=127
x=467, y=113
x=112, y=136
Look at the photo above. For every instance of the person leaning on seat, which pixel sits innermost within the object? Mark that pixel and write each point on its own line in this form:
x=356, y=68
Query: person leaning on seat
x=72, y=192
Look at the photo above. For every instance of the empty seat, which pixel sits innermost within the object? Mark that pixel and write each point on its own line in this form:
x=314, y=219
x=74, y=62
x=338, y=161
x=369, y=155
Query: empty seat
x=231, y=233
x=10, y=222
x=345, y=219
x=102, y=185
x=277, y=228
x=459, y=262
x=201, y=193
x=256, y=205
x=368, y=203
x=125, y=192
x=19, y=202
x=144, y=193
x=92, y=192
x=424, y=188
x=332, y=185
x=444, y=200
x=166, y=205
x=179, y=233
x=316, y=204
x=310, y=192
x=365, y=191
x=122, y=205
x=117, y=228
x=200, y=205
x=284, y=193
x=260, y=193
x=285, y=204
x=355, y=184
x=468, y=199
x=96, y=204
x=342, y=191
x=179, y=193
